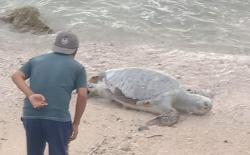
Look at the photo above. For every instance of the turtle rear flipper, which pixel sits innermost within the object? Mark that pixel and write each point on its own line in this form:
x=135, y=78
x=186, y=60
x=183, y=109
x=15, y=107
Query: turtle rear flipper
x=166, y=119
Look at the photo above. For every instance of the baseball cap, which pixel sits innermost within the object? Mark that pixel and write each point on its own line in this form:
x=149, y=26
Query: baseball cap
x=66, y=43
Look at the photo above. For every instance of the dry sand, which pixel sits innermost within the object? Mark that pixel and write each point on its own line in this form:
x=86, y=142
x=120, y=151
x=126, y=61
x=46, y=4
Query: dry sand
x=109, y=129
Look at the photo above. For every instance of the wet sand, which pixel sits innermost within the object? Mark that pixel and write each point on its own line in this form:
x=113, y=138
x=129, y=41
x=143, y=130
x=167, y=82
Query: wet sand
x=109, y=129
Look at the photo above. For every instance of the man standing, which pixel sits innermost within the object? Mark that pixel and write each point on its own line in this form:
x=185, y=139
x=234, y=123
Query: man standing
x=53, y=77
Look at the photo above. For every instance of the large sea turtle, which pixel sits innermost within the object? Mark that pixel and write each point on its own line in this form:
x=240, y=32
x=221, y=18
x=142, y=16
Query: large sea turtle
x=149, y=91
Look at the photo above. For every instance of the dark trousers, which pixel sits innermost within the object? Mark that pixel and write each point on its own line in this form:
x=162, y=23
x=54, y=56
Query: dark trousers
x=40, y=131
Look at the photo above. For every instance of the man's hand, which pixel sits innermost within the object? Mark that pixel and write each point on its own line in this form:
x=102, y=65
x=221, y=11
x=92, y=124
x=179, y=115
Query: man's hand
x=38, y=101
x=74, y=132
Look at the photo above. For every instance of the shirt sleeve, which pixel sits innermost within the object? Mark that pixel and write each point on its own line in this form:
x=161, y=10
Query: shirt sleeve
x=26, y=69
x=81, y=79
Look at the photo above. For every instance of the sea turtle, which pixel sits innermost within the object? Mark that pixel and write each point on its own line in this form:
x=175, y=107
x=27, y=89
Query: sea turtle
x=150, y=91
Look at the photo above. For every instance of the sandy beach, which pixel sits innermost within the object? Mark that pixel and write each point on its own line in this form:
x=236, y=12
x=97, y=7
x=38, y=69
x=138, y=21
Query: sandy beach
x=109, y=129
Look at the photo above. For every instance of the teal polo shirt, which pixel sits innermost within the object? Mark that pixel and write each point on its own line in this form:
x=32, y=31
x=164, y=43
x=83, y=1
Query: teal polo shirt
x=55, y=76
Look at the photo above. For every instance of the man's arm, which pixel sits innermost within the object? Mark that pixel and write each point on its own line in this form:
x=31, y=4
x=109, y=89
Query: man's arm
x=19, y=79
x=79, y=109
x=37, y=100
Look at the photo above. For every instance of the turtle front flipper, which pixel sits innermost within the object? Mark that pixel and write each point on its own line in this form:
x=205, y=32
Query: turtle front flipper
x=144, y=103
x=125, y=101
x=166, y=119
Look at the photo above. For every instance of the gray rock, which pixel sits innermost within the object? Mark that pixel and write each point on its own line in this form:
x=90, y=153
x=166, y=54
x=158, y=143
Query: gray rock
x=26, y=19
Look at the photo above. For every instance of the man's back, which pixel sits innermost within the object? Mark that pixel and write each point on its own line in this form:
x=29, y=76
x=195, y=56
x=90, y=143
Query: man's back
x=55, y=76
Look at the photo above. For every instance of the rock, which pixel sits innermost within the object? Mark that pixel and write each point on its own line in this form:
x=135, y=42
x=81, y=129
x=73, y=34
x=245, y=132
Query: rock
x=26, y=19
x=125, y=148
x=129, y=137
x=141, y=128
x=118, y=119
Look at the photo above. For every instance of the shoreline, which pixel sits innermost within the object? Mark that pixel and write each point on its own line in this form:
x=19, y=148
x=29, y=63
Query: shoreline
x=107, y=128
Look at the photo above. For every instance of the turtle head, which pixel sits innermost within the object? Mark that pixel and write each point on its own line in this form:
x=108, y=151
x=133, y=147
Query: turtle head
x=192, y=103
x=92, y=89
x=199, y=104
x=93, y=86
x=98, y=89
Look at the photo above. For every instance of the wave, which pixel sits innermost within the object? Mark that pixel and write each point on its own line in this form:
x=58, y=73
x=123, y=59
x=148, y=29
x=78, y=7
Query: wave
x=212, y=26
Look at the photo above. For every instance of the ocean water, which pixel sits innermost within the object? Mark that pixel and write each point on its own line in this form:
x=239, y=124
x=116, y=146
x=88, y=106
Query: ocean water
x=221, y=26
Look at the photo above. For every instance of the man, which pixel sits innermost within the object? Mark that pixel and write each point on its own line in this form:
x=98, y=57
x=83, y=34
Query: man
x=53, y=77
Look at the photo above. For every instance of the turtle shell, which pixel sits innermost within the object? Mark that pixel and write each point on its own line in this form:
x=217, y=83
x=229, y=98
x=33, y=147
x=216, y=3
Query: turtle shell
x=138, y=83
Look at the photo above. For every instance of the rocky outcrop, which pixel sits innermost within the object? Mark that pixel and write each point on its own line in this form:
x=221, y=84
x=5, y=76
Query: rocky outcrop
x=26, y=19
